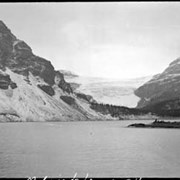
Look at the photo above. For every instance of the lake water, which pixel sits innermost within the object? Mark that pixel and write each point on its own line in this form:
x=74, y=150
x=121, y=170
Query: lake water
x=101, y=149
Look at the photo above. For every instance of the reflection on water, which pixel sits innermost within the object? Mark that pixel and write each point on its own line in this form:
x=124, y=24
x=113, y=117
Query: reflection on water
x=101, y=149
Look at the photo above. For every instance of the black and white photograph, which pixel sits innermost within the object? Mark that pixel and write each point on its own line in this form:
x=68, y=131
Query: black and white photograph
x=90, y=89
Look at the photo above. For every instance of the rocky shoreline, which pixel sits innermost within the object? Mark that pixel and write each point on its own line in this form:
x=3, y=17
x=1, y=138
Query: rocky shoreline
x=157, y=124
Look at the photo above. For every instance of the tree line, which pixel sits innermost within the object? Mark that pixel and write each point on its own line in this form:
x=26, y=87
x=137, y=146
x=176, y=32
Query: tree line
x=116, y=111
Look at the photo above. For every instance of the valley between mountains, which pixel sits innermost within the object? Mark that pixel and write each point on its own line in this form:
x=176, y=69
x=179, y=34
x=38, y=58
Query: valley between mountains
x=31, y=89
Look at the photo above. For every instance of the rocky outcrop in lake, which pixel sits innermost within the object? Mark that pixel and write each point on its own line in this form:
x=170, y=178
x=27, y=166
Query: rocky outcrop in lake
x=157, y=124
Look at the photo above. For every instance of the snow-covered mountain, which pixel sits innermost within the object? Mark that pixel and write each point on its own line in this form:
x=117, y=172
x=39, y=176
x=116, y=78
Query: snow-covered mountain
x=162, y=92
x=31, y=89
x=107, y=91
x=68, y=74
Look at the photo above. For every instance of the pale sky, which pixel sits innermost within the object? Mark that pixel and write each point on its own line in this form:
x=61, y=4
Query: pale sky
x=105, y=39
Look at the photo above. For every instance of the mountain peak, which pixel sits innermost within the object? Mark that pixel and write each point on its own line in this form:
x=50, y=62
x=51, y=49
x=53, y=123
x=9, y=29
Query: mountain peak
x=31, y=89
x=163, y=90
x=67, y=73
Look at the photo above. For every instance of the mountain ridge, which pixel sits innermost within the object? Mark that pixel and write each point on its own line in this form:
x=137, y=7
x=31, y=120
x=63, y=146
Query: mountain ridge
x=31, y=88
x=162, y=93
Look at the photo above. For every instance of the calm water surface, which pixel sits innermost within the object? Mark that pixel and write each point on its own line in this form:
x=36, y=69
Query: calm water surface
x=101, y=149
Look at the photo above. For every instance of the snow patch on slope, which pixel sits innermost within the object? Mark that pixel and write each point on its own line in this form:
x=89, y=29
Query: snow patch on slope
x=30, y=103
x=27, y=102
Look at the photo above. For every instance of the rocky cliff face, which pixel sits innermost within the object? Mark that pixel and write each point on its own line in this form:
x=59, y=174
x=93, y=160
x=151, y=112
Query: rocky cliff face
x=162, y=92
x=31, y=89
x=17, y=56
